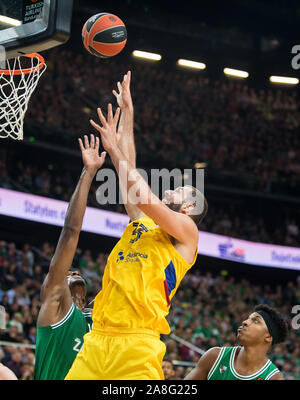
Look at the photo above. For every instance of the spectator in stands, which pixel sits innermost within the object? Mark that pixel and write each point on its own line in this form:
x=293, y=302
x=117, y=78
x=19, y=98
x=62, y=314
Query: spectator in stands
x=15, y=363
x=168, y=369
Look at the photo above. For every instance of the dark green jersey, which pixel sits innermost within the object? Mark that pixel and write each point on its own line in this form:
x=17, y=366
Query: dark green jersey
x=57, y=345
x=223, y=368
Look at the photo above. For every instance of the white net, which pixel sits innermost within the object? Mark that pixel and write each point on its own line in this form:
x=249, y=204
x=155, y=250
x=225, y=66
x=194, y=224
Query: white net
x=17, y=83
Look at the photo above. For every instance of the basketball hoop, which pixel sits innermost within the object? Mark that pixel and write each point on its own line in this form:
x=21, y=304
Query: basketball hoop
x=17, y=83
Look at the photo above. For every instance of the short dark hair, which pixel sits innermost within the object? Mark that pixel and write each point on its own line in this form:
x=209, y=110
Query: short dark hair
x=282, y=326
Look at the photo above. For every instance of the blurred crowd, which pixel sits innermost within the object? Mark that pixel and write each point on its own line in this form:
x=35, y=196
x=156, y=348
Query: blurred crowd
x=246, y=137
x=206, y=310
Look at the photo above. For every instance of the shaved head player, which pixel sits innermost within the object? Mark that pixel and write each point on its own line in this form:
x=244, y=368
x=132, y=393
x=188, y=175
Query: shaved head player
x=63, y=320
x=264, y=328
x=145, y=267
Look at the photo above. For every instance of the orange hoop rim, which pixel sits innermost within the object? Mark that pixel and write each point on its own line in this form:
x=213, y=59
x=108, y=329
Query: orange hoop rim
x=26, y=71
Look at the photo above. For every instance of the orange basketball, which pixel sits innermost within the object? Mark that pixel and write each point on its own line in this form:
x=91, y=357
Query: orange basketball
x=104, y=35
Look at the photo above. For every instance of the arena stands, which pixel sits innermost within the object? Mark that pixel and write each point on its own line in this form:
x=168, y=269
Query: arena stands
x=206, y=311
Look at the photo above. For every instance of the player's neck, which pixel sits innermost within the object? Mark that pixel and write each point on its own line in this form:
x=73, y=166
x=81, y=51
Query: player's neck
x=80, y=306
x=252, y=357
x=78, y=301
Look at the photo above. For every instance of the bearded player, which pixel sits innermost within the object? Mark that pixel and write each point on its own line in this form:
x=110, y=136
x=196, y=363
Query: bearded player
x=144, y=269
x=264, y=328
x=63, y=320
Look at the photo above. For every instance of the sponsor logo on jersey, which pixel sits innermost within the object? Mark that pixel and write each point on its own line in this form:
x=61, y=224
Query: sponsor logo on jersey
x=120, y=256
x=131, y=257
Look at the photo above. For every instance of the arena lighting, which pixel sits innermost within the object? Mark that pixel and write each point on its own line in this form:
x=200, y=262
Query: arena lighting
x=145, y=54
x=200, y=165
x=236, y=72
x=284, y=79
x=9, y=21
x=191, y=64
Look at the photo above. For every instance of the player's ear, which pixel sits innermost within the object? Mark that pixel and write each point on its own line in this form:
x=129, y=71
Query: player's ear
x=268, y=339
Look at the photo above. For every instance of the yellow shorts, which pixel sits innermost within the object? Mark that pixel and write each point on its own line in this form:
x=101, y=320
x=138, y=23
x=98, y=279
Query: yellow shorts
x=119, y=354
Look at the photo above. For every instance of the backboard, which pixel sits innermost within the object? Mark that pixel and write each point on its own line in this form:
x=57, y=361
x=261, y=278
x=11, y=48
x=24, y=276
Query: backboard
x=28, y=26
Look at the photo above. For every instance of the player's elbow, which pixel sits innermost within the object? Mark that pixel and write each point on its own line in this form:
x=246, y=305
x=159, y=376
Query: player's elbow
x=71, y=230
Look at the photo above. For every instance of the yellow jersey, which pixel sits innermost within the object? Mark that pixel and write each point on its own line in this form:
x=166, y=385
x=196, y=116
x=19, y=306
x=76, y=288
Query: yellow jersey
x=142, y=275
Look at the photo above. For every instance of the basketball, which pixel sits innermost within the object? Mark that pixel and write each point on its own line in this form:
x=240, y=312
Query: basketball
x=104, y=35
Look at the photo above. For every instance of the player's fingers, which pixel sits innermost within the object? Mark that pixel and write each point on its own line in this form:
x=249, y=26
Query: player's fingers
x=103, y=155
x=124, y=83
x=96, y=126
x=101, y=117
x=97, y=144
x=115, y=93
x=80, y=144
x=128, y=78
x=116, y=116
x=119, y=86
x=93, y=123
x=86, y=142
x=92, y=141
x=109, y=114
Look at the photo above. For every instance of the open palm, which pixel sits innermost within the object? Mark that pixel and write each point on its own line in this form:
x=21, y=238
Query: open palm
x=90, y=153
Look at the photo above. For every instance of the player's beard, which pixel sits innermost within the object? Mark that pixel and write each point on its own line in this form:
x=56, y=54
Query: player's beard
x=174, y=206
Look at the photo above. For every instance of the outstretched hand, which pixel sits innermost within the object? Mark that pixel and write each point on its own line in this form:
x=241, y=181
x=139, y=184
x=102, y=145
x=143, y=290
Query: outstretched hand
x=124, y=96
x=108, y=130
x=90, y=153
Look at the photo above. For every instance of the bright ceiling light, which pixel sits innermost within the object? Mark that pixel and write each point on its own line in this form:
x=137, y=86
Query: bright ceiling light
x=10, y=21
x=200, y=165
x=236, y=72
x=147, y=55
x=191, y=64
x=284, y=79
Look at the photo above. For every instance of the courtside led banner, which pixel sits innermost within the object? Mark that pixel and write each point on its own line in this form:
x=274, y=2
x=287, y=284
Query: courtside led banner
x=50, y=211
x=53, y=212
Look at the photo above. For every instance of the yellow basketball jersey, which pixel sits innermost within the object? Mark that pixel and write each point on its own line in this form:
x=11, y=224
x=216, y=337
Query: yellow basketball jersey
x=142, y=275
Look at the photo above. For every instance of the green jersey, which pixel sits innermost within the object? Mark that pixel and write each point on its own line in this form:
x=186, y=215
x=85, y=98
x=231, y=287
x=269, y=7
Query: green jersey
x=57, y=345
x=223, y=368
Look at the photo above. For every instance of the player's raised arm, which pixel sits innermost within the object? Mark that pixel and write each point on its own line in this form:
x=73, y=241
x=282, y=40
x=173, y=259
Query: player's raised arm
x=125, y=135
x=178, y=225
x=204, y=365
x=55, y=291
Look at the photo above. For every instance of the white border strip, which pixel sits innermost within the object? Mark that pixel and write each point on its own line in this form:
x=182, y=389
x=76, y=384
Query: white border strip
x=65, y=318
x=245, y=377
x=275, y=371
x=216, y=363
